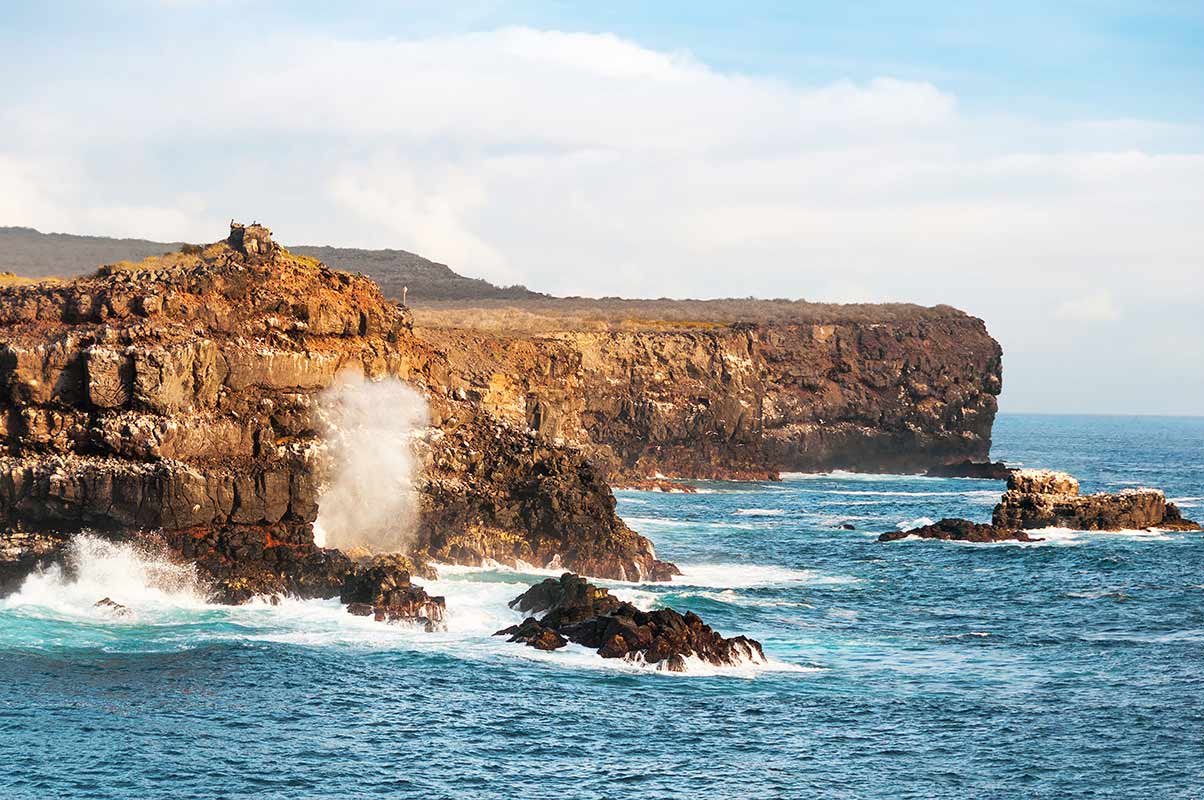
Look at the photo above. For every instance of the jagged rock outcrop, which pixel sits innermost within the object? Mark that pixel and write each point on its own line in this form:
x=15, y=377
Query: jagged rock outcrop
x=382, y=589
x=960, y=530
x=176, y=398
x=742, y=400
x=1045, y=499
x=575, y=610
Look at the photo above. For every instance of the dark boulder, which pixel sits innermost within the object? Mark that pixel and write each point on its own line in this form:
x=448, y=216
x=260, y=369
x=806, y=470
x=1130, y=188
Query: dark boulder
x=112, y=605
x=985, y=470
x=575, y=610
x=960, y=530
x=535, y=634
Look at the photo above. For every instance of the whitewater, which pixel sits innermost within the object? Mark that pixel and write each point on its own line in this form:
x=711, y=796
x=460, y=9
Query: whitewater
x=1069, y=668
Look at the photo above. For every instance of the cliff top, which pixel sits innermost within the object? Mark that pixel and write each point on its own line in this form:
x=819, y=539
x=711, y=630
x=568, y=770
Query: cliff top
x=613, y=313
x=244, y=286
x=444, y=298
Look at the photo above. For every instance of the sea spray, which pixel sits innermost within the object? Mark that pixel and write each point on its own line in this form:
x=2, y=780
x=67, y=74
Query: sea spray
x=370, y=499
x=138, y=575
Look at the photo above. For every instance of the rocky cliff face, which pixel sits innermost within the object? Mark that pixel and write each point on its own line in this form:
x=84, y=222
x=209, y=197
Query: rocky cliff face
x=177, y=396
x=743, y=400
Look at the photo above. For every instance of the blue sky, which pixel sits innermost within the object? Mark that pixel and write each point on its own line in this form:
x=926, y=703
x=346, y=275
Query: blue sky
x=1038, y=164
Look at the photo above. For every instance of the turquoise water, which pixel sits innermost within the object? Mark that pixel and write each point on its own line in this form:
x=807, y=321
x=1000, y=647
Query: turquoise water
x=1069, y=668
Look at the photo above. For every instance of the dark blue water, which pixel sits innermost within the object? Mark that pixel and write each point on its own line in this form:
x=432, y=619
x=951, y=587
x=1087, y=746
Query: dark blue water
x=1069, y=668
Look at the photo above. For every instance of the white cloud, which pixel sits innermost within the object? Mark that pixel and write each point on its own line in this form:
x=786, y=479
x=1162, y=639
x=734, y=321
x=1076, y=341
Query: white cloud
x=586, y=163
x=1095, y=307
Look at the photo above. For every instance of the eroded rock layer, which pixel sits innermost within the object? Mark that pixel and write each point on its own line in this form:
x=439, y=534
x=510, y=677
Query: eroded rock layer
x=743, y=400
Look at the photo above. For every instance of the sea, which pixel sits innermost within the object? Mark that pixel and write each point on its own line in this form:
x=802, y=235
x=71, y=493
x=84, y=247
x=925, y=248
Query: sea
x=1067, y=668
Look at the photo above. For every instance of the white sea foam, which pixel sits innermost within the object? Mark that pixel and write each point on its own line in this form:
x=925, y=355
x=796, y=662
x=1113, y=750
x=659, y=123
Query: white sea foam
x=167, y=609
x=759, y=512
x=138, y=576
x=732, y=597
x=747, y=576
x=844, y=475
x=918, y=522
x=980, y=493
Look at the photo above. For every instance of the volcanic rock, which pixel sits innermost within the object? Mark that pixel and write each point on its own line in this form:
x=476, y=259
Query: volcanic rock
x=110, y=604
x=960, y=530
x=818, y=388
x=384, y=586
x=984, y=470
x=577, y=611
x=1045, y=499
x=178, y=396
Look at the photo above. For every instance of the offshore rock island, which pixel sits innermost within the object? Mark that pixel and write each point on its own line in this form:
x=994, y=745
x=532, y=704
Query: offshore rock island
x=1038, y=498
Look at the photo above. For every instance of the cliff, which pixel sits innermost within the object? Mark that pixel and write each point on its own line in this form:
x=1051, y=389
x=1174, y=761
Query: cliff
x=177, y=396
x=736, y=399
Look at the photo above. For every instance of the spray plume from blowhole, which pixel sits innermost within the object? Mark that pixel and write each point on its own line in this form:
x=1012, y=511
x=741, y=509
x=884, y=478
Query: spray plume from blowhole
x=370, y=497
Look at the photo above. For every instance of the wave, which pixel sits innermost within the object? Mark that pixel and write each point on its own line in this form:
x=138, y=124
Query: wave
x=980, y=493
x=759, y=512
x=918, y=522
x=749, y=576
x=138, y=576
x=845, y=475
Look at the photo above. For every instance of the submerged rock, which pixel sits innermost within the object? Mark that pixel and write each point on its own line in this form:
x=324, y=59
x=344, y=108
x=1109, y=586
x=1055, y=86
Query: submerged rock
x=984, y=470
x=112, y=605
x=960, y=530
x=1047, y=499
x=575, y=610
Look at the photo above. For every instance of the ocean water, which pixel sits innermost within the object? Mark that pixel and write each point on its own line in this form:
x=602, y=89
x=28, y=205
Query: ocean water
x=1068, y=668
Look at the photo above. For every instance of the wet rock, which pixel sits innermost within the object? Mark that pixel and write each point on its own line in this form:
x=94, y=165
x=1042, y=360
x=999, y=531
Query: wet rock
x=384, y=586
x=360, y=609
x=1046, y=499
x=116, y=608
x=492, y=493
x=984, y=470
x=960, y=530
x=847, y=526
x=535, y=634
x=575, y=610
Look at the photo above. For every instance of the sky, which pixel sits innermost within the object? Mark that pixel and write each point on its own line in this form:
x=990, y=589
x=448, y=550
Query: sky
x=1038, y=165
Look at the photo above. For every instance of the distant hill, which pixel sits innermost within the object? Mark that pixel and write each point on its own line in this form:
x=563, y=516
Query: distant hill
x=32, y=254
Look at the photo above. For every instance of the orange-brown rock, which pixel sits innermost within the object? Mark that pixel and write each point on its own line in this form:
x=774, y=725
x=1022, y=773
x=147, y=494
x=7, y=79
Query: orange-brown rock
x=1045, y=499
x=177, y=396
x=737, y=400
